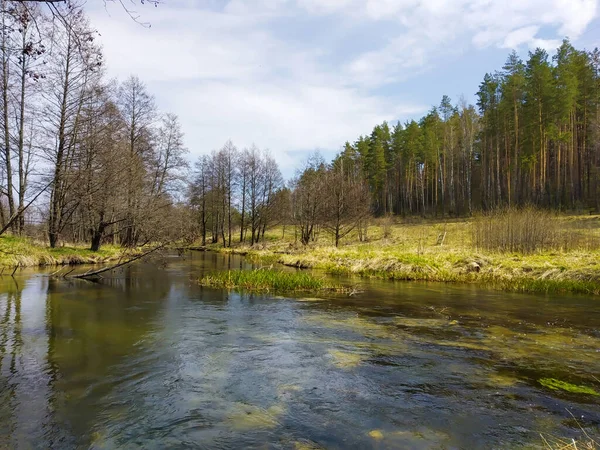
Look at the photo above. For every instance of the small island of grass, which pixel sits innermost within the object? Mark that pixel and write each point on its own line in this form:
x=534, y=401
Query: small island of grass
x=270, y=280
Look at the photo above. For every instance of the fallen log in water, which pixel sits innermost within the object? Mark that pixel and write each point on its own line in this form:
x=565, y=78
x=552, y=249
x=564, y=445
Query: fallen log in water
x=96, y=273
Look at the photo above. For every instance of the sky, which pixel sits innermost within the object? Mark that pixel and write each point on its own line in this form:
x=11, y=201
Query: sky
x=295, y=76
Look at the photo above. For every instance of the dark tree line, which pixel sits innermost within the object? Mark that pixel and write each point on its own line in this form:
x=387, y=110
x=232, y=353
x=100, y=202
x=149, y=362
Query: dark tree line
x=533, y=138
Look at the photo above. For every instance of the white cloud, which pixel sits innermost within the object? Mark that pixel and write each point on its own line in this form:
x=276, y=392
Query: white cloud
x=430, y=29
x=234, y=70
x=227, y=77
x=520, y=36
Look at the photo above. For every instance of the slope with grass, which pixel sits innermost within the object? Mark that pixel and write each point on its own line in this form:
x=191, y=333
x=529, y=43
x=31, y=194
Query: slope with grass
x=450, y=252
x=17, y=251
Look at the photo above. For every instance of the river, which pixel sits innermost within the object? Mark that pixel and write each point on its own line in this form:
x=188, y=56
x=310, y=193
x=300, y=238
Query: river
x=146, y=358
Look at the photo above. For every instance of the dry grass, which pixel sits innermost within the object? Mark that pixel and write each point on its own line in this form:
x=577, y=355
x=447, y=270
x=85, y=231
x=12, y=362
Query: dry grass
x=23, y=252
x=552, y=443
x=529, y=230
x=585, y=443
x=410, y=250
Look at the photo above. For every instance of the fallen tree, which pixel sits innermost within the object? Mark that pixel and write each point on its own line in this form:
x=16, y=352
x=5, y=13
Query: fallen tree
x=96, y=273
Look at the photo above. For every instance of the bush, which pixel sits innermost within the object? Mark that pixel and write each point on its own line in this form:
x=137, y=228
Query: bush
x=524, y=230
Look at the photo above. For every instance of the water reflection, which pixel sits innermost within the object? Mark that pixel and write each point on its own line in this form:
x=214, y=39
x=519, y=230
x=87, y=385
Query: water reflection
x=148, y=359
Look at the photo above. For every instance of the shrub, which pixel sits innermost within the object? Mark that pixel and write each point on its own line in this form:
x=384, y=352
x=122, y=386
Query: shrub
x=523, y=230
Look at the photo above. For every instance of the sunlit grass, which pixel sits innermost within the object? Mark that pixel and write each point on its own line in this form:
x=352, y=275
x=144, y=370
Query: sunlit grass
x=564, y=444
x=24, y=252
x=269, y=280
x=412, y=251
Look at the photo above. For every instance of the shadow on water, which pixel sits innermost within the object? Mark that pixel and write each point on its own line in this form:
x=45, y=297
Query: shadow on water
x=146, y=358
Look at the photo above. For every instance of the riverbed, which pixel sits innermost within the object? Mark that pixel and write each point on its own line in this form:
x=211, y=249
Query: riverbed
x=146, y=358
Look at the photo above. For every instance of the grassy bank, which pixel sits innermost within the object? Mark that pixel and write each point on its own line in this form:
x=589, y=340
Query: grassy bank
x=269, y=280
x=412, y=251
x=23, y=252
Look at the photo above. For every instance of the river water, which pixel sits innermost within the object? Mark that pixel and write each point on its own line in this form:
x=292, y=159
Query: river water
x=148, y=359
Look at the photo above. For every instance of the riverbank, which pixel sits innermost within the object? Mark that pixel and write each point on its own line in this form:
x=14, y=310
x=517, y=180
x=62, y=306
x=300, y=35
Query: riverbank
x=23, y=252
x=412, y=251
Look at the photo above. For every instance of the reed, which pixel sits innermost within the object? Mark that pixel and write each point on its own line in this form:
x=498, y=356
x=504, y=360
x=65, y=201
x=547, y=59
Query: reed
x=269, y=280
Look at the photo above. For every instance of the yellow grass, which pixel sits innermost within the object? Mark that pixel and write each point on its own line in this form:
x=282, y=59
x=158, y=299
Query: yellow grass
x=412, y=251
x=24, y=252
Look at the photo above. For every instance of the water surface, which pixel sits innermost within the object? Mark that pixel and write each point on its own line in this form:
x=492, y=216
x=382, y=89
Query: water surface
x=148, y=359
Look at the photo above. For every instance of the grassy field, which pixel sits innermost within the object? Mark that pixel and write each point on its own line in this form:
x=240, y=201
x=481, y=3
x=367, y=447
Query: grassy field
x=23, y=252
x=413, y=251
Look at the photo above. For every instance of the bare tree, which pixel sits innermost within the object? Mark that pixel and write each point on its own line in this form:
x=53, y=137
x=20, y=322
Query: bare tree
x=139, y=112
x=29, y=70
x=308, y=198
x=73, y=67
x=346, y=201
x=168, y=157
x=272, y=185
x=102, y=163
x=243, y=174
x=199, y=193
x=229, y=156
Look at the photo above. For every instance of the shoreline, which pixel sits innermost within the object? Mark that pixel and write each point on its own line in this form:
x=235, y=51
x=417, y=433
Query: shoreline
x=23, y=252
x=541, y=273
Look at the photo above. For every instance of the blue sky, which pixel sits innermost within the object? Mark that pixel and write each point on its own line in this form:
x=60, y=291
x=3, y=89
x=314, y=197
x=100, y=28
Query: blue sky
x=296, y=76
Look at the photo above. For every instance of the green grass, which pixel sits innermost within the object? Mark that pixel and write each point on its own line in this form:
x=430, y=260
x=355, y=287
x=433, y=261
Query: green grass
x=269, y=280
x=24, y=252
x=557, y=385
x=409, y=251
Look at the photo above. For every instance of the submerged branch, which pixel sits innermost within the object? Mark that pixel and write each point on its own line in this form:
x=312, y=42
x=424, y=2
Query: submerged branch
x=96, y=273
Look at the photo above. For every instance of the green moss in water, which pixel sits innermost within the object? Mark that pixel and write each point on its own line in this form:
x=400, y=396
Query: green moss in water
x=345, y=360
x=246, y=417
x=557, y=385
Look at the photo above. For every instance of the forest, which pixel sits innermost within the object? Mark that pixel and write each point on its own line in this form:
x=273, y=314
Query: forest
x=531, y=140
x=88, y=159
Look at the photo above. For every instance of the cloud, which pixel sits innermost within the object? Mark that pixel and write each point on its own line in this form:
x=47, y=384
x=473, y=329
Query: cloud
x=227, y=76
x=285, y=117
x=428, y=30
x=520, y=36
x=295, y=75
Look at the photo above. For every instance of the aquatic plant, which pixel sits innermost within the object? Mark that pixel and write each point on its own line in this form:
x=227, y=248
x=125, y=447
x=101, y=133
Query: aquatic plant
x=345, y=360
x=245, y=417
x=376, y=434
x=558, y=385
x=269, y=280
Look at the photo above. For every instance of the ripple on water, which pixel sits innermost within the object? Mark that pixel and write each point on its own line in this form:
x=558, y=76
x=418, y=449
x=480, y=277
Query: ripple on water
x=162, y=363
